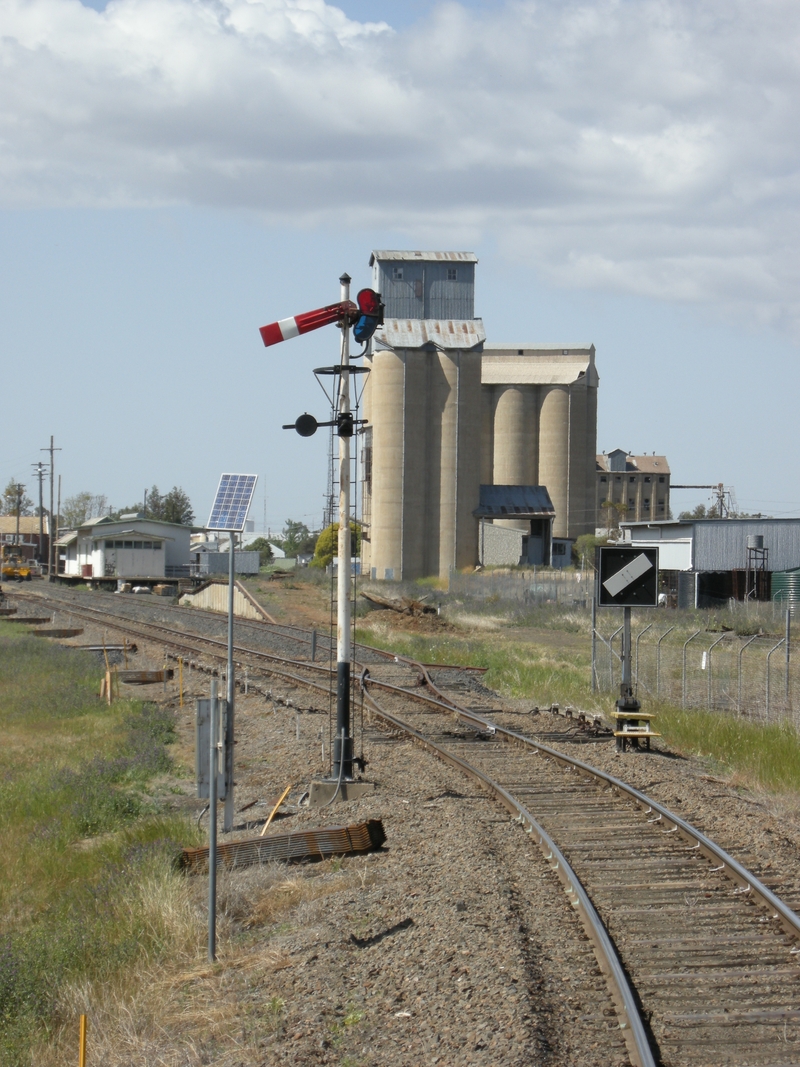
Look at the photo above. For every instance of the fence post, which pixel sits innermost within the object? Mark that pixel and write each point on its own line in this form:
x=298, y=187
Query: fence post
x=769, y=654
x=594, y=646
x=683, y=673
x=710, y=685
x=739, y=690
x=658, y=659
x=636, y=670
x=788, y=642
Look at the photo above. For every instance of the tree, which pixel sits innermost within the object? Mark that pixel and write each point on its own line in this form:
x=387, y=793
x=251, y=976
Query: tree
x=264, y=549
x=328, y=544
x=81, y=507
x=698, y=513
x=175, y=506
x=584, y=549
x=14, y=495
x=297, y=538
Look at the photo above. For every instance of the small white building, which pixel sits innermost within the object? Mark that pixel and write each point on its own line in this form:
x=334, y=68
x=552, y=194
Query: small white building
x=126, y=548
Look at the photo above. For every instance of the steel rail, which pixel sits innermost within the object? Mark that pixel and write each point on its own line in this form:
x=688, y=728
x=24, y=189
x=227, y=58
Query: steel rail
x=631, y=1024
x=710, y=849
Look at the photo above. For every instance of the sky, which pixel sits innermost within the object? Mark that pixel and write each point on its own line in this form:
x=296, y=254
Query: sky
x=174, y=174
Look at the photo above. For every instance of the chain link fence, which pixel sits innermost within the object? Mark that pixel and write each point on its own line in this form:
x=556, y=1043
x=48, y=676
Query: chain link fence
x=719, y=666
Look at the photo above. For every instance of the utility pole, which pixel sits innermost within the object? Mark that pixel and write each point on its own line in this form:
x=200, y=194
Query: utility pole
x=19, y=489
x=343, y=742
x=39, y=469
x=53, y=519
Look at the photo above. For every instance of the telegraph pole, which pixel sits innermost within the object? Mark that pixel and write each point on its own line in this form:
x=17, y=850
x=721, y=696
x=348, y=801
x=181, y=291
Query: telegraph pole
x=39, y=469
x=19, y=489
x=343, y=743
x=53, y=519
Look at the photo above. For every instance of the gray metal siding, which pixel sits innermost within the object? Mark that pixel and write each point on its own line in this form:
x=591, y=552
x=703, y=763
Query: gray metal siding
x=722, y=546
x=424, y=292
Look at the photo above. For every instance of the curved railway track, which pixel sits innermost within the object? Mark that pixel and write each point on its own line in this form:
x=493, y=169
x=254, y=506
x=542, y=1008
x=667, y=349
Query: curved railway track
x=702, y=959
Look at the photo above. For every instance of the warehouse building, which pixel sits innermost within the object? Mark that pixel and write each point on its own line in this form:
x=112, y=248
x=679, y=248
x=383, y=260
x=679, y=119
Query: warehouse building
x=706, y=562
x=450, y=414
x=128, y=547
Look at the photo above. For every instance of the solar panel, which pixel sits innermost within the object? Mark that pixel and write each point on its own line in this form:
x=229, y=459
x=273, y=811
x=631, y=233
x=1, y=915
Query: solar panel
x=232, y=502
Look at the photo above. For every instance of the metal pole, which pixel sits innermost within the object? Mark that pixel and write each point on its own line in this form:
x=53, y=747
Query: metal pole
x=639, y=636
x=626, y=652
x=343, y=743
x=212, y=824
x=788, y=649
x=658, y=659
x=313, y=645
x=594, y=644
x=683, y=678
x=710, y=685
x=769, y=655
x=739, y=687
x=227, y=822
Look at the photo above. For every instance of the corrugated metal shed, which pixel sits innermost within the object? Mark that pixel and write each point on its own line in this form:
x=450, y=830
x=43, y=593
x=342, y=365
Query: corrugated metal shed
x=520, y=501
x=425, y=285
x=417, y=333
x=721, y=544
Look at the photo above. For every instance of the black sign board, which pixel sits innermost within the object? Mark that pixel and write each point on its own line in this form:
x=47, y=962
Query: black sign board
x=627, y=577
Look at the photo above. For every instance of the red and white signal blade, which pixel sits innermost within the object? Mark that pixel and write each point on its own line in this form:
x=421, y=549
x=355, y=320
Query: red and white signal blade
x=284, y=329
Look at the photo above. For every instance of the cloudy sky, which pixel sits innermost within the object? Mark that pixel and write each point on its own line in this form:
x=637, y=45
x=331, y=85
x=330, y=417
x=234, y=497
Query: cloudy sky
x=175, y=173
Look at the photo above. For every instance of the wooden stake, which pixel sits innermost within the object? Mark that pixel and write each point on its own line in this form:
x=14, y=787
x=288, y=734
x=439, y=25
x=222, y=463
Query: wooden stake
x=274, y=811
x=82, y=1042
x=180, y=677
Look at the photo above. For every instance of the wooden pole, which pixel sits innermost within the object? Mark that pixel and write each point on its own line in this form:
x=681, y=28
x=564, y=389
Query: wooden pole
x=82, y=1042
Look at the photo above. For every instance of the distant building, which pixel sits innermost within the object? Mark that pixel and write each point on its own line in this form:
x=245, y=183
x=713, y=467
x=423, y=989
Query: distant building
x=706, y=562
x=449, y=413
x=29, y=547
x=637, y=487
x=125, y=548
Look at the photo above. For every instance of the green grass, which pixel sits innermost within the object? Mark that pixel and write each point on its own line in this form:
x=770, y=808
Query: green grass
x=86, y=857
x=763, y=757
x=766, y=756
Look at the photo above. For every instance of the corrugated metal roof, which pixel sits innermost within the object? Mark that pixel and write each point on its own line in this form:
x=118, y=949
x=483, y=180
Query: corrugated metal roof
x=557, y=350
x=510, y=501
x=643, y=464
x=438, y=257
x=67, y=539
x=144, y=534
x=510, y=370
x=464, y=334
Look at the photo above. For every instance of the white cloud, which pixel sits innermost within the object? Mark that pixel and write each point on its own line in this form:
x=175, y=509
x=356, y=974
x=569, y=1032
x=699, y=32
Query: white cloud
x=649, y=146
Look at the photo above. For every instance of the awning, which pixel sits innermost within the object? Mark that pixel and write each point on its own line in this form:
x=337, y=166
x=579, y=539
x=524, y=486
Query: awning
x=515, y=502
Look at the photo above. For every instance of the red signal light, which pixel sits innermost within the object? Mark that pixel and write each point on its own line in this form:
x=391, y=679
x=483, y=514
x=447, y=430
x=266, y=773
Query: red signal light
x=369, y=302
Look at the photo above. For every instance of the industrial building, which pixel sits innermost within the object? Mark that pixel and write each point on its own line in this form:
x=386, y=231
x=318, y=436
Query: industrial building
x=706, y=562
x=23, y=534
x=633, y=487
x=450, y=414
x=128, y=547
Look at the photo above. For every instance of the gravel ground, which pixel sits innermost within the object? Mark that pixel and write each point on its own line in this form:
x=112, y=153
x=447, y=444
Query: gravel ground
x=454, y=944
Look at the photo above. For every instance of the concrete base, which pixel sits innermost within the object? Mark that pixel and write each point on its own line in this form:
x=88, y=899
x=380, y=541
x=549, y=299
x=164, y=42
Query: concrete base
x=320, y=792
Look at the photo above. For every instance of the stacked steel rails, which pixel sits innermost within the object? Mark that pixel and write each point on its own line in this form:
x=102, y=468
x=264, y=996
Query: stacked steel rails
x=701, y=958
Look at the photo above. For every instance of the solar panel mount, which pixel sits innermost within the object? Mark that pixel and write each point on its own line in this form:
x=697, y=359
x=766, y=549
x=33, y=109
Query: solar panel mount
x=232, y=502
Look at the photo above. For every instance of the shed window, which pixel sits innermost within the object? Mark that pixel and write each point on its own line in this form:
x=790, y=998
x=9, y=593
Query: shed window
x=559, y=549
x=137, y=544
x=452, y=274
x=603, y=478
x=147, y=544
x=647, y=478
x=397, y=274
x=127, y=544
x=156, y=544
x=661, y=478
x=109, y=544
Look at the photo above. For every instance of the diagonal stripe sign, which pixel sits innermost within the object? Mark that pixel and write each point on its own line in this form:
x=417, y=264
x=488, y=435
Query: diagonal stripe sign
x=627, y=575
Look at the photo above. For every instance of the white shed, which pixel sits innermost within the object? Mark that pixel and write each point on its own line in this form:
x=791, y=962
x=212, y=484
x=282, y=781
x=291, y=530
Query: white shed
x=129, y=548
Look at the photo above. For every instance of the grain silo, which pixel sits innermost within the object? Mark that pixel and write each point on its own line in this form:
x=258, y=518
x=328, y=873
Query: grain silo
x=447, y=413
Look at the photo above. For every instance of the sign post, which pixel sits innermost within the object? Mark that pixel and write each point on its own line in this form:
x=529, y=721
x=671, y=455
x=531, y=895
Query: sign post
x=626, y=578
x=228, y=515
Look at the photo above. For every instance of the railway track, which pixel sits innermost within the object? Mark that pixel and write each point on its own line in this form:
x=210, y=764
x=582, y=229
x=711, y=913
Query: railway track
x=702, y=959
